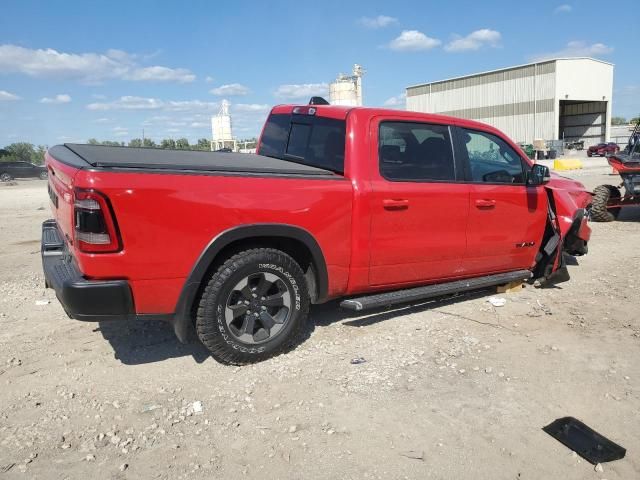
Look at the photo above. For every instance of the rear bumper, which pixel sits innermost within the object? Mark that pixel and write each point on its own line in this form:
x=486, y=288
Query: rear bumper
x=82, y=299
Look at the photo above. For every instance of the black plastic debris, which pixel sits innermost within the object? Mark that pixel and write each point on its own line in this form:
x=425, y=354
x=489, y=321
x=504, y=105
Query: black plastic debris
x=358, y=360
x=586, y=442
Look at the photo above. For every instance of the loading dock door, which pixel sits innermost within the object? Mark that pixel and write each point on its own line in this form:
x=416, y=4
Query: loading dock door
x=580, y=120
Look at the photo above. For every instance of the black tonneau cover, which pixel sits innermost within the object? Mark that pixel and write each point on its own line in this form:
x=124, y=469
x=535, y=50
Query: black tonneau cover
x=101, y=156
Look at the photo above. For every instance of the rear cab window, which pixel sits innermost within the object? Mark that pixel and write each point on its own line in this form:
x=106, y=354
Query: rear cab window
x=307, y=139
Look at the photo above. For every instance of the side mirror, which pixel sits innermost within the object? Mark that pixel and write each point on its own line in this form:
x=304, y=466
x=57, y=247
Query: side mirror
x=538, y=175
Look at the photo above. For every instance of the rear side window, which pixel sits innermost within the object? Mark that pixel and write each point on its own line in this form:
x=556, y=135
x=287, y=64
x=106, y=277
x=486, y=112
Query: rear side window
x=311, y=140
x=491, y=159
x=415, y=152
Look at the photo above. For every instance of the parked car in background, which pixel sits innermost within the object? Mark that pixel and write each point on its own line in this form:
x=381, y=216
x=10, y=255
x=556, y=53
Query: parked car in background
x=574, y=145
x=11, y=170
x=603, y=149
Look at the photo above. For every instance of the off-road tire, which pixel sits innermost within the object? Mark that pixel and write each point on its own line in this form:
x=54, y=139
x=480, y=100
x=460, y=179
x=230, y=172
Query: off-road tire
x=211, y=326
x=601, y=196
x=5, y=177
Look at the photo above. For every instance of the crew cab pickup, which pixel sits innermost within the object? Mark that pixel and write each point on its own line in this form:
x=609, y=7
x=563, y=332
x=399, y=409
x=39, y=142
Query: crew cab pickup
x=370, y=205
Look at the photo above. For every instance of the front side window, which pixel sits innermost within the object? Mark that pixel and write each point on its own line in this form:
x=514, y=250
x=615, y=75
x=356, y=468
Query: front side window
x=415, y=152
x=491, y=159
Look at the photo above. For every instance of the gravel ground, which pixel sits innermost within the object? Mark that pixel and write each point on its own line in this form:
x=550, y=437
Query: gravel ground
x=451, y=389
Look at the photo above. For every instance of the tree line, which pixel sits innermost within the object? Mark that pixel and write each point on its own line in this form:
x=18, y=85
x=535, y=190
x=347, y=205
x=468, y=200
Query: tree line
x=23, y=152
x=623, y=121
x=28, y=152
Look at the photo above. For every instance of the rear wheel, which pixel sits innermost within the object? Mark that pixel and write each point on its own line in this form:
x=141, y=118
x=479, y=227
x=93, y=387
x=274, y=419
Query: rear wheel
x=43, y=175
x=5, y=177
x=601, y=197
x=255, y=306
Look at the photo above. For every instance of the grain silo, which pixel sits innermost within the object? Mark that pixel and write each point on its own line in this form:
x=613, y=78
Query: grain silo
x=221, y=133
x=347, y=89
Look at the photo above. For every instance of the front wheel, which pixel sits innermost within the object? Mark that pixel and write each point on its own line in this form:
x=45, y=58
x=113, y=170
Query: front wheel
x=43, y=175
x=255, y=306
x=601, y=197
x=5, y=177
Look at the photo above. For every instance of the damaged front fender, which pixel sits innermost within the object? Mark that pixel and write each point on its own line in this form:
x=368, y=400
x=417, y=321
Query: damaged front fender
x=567, y=230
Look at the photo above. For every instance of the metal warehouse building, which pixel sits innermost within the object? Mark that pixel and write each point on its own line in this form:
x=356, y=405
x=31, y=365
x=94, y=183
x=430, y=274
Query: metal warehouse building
x=564, y=98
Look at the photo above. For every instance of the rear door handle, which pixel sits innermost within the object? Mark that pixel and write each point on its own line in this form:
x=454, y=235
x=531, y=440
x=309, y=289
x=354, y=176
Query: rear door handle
x=485, y=203
x=395, y=203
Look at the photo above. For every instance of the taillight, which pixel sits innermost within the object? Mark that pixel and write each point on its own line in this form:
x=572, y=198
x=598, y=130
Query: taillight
x=95, y=226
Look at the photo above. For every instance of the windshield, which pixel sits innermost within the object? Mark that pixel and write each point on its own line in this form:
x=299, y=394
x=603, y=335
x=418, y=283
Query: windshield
x=306, y=139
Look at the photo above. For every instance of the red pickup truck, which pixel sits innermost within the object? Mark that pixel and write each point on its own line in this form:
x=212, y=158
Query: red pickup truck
x=377, y=206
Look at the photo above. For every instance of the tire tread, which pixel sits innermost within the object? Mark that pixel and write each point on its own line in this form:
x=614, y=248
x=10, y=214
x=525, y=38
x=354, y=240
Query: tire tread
x=206, y=325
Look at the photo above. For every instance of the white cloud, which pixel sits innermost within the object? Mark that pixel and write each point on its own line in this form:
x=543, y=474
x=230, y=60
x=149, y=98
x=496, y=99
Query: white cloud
x=381, y=21
x=130, y=102
x=413, y=40
x=120, y=131
x=251, y=107
x=564, y=8
x=200, y=124
x=98, y=96
x=576, y=49
x=61, y=98
x=303, y=90
x=161, y=74
x=88, y=68
x=397, y=101
x=209, y=79
x=102, y=120
x=230, y=89
x=7, y=96
x=474, y=41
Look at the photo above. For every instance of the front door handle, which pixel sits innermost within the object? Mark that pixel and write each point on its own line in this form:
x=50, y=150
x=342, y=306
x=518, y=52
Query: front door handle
x=485, y=203
x=395, y=203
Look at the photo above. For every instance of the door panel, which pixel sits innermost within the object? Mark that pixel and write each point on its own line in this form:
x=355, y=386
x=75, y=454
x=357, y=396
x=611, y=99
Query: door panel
x=506, y=224
x=507, y=218
x=422, y=241
x=419, y=213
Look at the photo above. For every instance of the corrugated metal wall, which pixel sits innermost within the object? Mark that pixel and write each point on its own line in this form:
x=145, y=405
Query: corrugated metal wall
x=504, y=99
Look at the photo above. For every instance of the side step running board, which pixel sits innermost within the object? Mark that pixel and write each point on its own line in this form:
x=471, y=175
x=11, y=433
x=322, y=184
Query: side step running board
x=430, y=291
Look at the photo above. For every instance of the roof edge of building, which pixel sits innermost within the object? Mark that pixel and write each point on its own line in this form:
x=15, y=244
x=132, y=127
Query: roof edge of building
x=504, y=69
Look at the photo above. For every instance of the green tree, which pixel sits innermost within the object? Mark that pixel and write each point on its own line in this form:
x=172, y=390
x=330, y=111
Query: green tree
x=169, y=143
x=203, y=144
x=38, y=155
x=634, y=120
x=147, y=142
x=182, y=144
x=93, y=141
x=618, y=121
x=22, y=151
x=135, y=142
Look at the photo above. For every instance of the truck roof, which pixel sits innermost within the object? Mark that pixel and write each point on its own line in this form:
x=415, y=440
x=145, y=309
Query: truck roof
x=340, y=112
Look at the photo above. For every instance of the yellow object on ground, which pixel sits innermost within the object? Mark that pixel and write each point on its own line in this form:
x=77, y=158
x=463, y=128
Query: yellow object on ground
x=510, y=287
x=567, y=164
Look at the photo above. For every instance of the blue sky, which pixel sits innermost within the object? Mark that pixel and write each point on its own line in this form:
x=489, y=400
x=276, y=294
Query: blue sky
x=74, y=70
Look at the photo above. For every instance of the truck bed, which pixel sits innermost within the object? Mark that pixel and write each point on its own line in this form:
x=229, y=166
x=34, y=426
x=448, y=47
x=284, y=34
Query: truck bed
x=107, y=157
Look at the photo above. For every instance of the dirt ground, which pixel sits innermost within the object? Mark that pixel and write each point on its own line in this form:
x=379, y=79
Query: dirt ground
x=449, y=389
